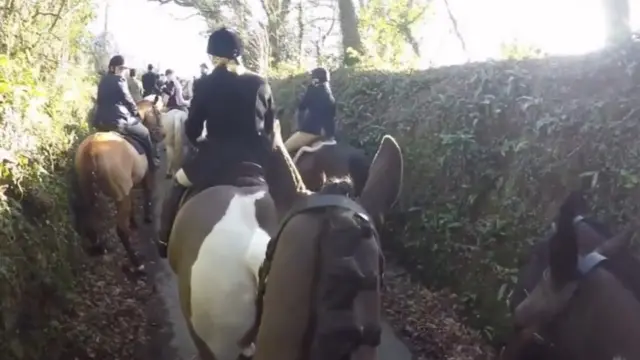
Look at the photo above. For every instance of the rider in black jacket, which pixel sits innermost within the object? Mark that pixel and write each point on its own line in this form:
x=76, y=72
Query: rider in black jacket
x=116, y=110
x=238, y=108
x=316, y=113
x=150, y=82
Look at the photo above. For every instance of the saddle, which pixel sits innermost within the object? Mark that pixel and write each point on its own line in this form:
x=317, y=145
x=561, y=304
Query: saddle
x=315, y=146
x=244, y=174
x=106, y=135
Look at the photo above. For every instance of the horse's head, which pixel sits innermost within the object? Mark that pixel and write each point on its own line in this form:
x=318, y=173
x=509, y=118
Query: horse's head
x=326, y=262
x=152, y=119
x=578, y=292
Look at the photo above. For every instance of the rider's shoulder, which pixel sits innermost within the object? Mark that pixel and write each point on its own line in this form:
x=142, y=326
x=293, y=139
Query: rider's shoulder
x=254, y=79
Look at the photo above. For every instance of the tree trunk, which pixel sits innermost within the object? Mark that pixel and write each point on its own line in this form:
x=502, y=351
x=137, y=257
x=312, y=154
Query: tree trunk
x=616, y=14
x=350, y=33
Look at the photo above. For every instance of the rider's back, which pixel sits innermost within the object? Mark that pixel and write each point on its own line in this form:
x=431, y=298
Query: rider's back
x=149, y=80
x=111, y=107
x=320, y=107
x=233, y=104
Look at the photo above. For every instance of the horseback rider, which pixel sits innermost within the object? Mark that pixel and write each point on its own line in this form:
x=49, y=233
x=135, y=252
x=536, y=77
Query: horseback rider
x=204, y=70
x=135, y=88
x=173, y=89
x=316, y=113
x=150, y=82
x=237, y=106
x=116, y=110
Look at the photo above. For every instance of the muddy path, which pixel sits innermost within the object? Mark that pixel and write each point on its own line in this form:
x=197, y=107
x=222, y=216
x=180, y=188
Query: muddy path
x=166, y=329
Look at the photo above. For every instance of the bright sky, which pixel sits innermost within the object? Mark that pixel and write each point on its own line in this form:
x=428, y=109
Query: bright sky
x=148, y=32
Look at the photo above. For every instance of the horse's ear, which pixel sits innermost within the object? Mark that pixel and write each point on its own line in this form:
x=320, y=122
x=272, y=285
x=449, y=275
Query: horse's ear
x=563, y=248
x=384, y=182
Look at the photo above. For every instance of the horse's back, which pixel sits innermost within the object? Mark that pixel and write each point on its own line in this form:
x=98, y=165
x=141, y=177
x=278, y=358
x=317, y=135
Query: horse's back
x=111, y=160
x=217, y=245
x=333, y=160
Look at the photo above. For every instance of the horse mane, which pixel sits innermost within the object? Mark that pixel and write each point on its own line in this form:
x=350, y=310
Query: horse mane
x=339, y=186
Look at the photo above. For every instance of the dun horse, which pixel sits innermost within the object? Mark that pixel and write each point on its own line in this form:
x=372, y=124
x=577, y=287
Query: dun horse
x=584, y=300
x=323, y=263
x=108, y=162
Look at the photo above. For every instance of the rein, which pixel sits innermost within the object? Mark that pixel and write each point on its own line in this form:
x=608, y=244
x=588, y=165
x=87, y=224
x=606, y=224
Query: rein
x=310, y=203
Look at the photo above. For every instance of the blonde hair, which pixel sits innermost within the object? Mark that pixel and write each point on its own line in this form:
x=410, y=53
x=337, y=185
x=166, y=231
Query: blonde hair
x=234, y=66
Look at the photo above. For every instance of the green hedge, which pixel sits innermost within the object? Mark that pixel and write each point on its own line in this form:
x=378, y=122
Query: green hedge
x=44, y=98
x=40, y=257
x=491, y=149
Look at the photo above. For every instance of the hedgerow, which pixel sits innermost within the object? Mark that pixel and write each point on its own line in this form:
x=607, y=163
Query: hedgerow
x=491, y=149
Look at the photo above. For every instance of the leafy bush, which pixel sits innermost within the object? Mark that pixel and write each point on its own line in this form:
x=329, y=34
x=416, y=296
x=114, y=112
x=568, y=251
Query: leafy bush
x=491, y=149
x=44, y=98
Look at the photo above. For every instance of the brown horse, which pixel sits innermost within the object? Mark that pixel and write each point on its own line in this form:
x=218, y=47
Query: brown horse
x=322, y=264
x=108, y=162
x=330, y=159
x=586, y=304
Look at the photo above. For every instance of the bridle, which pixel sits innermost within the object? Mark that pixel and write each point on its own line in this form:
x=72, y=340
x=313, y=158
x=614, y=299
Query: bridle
x=311, y=203
x=586, y=264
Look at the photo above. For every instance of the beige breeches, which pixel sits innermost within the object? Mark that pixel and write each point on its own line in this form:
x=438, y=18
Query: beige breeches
x=300, y=139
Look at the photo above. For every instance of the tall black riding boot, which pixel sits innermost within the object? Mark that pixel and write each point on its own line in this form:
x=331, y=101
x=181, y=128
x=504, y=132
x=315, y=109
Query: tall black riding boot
x=169, y=212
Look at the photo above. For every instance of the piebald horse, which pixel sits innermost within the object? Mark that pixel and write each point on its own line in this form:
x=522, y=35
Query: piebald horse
x=108, y=162
x=323, y=261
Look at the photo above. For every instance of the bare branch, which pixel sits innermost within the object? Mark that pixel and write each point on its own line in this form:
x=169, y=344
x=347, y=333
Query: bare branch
x=454, y=22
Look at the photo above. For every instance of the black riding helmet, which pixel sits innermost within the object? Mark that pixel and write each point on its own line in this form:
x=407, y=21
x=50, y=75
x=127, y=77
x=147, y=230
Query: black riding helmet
x=225, y=43
x=117, y=60
x=320, y=74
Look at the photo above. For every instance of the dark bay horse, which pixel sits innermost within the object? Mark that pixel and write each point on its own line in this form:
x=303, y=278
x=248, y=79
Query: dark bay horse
x=583, y=298
x=227, y=240
x=109, y=163
x=329, y=159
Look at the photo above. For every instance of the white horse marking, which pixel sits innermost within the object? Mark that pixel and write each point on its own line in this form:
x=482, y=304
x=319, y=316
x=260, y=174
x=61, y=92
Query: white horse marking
x=224, y=278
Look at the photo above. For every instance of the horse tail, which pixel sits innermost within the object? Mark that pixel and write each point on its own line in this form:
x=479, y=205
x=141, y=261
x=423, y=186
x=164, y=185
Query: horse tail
x=359, y=170
x=82, y=192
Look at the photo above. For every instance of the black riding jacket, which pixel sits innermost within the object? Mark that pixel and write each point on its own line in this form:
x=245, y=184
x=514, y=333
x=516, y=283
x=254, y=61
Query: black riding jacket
x=317, y=111
x=114, y=104
x=150, y=83
x=238, y=109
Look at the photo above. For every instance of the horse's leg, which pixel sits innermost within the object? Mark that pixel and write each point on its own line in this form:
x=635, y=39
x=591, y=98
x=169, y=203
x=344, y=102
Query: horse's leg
x=133, y=222
x=123, y=219
x=170, y=156
x=148, y=187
